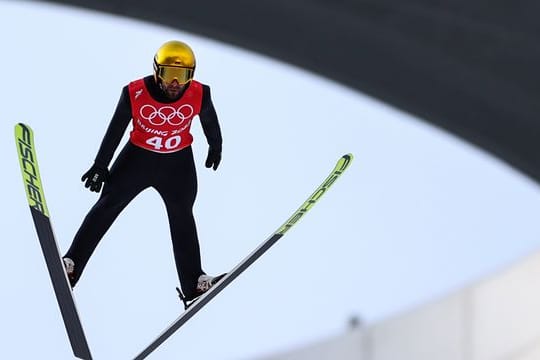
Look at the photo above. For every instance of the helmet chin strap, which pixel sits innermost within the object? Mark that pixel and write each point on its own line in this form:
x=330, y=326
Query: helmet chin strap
x=160, y=84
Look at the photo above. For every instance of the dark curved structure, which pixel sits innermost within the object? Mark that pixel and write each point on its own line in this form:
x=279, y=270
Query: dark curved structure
x=469, y=67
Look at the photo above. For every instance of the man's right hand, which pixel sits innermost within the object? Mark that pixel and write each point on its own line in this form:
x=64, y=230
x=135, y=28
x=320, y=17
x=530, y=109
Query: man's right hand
x=95, y=177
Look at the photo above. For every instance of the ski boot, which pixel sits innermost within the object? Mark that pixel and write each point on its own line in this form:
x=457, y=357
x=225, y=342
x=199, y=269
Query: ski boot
x=69, y=266
x=204, y=283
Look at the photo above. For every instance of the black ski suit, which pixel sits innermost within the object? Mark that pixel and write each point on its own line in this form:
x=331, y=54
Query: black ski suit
x=135, y=169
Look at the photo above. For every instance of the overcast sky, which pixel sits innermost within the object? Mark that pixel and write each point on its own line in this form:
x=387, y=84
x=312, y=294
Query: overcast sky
x=419, y=214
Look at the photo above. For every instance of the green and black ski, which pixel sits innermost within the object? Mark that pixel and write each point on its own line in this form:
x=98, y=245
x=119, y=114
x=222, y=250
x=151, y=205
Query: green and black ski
x=341, y=166
x=24, y=138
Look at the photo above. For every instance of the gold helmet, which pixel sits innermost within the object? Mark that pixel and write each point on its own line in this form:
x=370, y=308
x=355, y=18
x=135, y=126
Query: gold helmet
x=174, y=60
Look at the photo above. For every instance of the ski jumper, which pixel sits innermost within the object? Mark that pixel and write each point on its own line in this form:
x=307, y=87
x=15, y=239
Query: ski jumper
x=158, y=155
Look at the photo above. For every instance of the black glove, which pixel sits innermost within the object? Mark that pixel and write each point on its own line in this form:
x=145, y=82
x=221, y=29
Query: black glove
x=95, y=177
x=214, y=158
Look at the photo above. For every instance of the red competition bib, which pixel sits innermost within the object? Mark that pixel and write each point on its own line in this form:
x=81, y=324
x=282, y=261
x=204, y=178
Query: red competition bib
x=161, y=127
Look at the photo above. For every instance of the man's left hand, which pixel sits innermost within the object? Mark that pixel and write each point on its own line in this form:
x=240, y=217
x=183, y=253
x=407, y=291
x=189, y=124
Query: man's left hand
x=214, y=158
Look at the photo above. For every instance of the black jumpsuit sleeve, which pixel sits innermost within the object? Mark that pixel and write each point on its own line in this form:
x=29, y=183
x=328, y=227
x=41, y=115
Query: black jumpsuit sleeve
x=209, y=121
x=115, y=131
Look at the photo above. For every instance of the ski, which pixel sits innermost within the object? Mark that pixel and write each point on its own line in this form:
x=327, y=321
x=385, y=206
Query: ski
x=342, y=164
x=24, y=138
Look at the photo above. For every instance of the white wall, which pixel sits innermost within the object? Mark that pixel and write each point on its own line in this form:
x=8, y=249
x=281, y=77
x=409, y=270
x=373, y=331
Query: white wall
x=496, y=319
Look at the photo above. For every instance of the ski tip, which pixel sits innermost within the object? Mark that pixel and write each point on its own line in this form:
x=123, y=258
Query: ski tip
x=23, y=131
x=22, y=126
x=345, y=160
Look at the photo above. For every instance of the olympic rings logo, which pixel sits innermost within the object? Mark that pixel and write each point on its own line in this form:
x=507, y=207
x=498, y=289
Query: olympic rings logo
x=174, y=116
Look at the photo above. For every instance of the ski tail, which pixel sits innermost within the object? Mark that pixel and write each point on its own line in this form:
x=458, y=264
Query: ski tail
x=24, y=138
x=341, y=165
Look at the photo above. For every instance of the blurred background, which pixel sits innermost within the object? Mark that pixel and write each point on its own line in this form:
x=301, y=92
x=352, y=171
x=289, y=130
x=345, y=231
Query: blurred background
x=425, y=249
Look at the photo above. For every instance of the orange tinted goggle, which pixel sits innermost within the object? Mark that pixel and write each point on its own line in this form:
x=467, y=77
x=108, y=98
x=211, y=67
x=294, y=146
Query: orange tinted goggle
x=170, y=73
